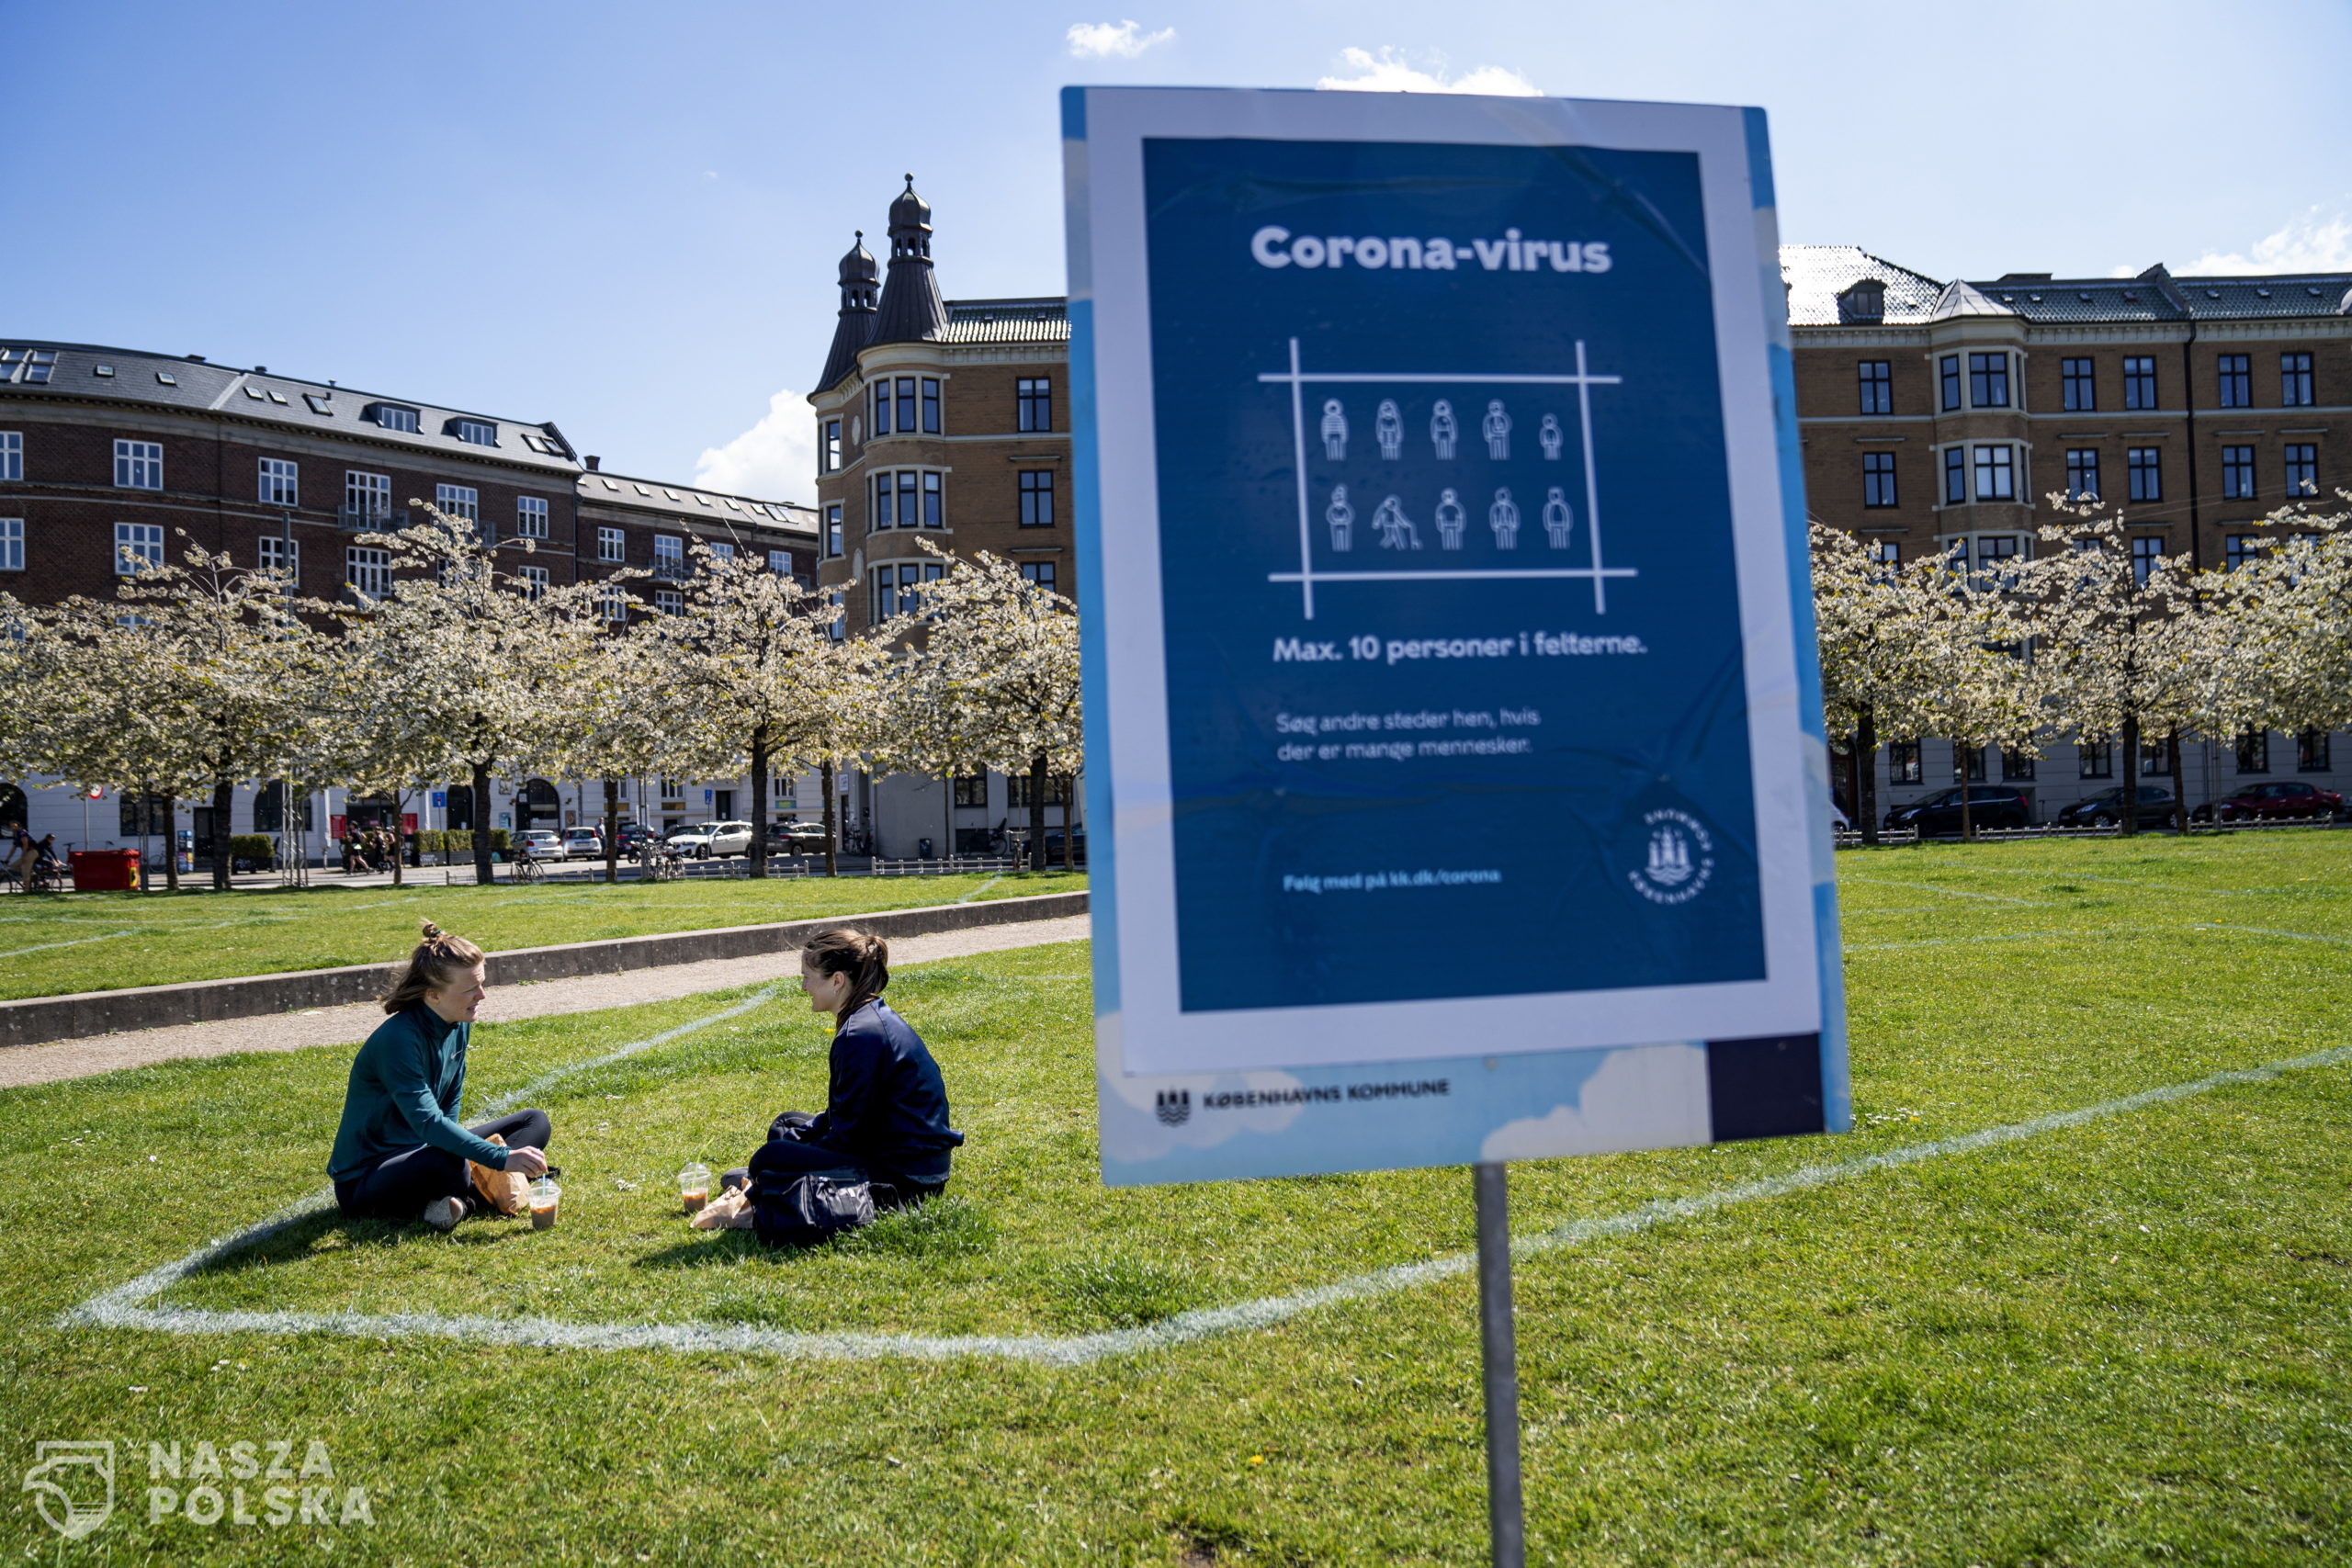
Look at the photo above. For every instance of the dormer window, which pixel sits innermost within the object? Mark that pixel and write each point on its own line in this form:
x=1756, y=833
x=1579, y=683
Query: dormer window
x=1863, y=301
x=475, y=432
x=321, y=402
x=395, y=416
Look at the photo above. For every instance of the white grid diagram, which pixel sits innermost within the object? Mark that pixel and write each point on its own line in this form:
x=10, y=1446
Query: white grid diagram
x=1297, y=378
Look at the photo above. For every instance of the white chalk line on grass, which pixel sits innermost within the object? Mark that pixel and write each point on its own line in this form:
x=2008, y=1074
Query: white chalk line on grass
x=77, y=942
x=1947, y=892
x=125, y=1305
x=2265, y=930
x=983, y=888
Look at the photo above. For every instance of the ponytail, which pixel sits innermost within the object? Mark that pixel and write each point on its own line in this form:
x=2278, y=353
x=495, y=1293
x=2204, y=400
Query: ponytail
x=439, y=960
x=845, y=950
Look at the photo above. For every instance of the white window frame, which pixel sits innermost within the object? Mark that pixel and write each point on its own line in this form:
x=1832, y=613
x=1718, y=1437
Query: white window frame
x=669, y=601
x=367, y=573
x=395, y=416
x=458, y=500
x=535, y=581
x=720, y=548
x=367, y=495
x=281, y=555
x=12, y=544
x=612, y=545
x=669, y=552
x=530, y=517
x=145, y=539
x=281, y=482
x=475, y=432
x=12, y=454
x=780, y=562
x=138, y=465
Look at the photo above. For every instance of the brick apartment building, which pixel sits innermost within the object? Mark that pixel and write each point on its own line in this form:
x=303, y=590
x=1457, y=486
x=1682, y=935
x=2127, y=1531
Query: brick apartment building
x=106, y=450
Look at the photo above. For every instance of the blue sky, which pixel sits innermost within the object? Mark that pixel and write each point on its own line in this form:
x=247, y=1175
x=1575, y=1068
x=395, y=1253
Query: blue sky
x=624, y=217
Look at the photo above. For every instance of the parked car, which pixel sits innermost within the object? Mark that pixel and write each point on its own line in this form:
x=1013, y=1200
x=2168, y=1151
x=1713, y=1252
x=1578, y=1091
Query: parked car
x=584, y=843
x=704, y=839
x=2105, y=809
x=1054, y=847
x=2283, y=801
x=798, y=837
x=541, y=842
x=1989, y=806
x=633, y=834
x=1837, y=822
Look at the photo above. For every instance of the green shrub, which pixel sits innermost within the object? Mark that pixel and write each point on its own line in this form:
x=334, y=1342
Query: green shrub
x=251, y=847
x=431, y=841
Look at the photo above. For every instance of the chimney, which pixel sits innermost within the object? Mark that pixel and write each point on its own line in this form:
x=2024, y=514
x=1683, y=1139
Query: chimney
x=591, y=460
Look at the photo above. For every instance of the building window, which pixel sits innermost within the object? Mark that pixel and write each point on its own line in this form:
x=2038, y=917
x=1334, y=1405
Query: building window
x=12, y=454
x=669, y=555
x=478, y=432
x=611, y=545
x=282, y=557
x=281, y=482
x=2146, y=477
x=882, y=406
x=1903, y=762
x=884, y=511
x=2140, y=382
x=935, y=502
x=1948, y=381
x=458, y=500
x=2303, y=468
x=834, y=529
x=139, y=465
x=2237, y=380
x=1877, y=385
x=2015, y=767
x=2254, y=751
x=1993, y=550
x=1033, y=397
x=2097, y=759
x=2082, y=473
x=368, y=572
x=12, y=544
x=2311, y=751
x=1988, y=380
x=1968, y=764
x=2077, y=390
x=392, y=416
x=367, y=497
x=137, y=546
x=33, y=366
x=2243, y=549
x=972, y=790
x=780, y=562
x=828, y=446
x=2237, y=473
x=2295, y=380
x=838, y=627
x=1037, y=498
x=2147, y=554
x=895, y=591
x=1040, y=572
x=1955, y=474
x=613, y=605
x=531, y=517
x=931, y=405
x=1996, y=478
x=906, y=405
x=1878, y=478
x=669, y=601
x=720, y=550
x=535, y=581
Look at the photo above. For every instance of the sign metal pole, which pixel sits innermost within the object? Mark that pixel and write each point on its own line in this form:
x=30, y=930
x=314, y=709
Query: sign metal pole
x=1498, y=1346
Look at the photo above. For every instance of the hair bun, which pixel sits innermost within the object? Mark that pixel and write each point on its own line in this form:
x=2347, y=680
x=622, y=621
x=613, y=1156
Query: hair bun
x=431, y=932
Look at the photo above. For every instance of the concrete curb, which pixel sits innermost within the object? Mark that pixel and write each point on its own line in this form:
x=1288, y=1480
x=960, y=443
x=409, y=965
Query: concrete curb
x=33, y=1019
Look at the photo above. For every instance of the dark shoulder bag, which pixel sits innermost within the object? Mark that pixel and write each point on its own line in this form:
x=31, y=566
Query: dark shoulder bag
x=805, y=1208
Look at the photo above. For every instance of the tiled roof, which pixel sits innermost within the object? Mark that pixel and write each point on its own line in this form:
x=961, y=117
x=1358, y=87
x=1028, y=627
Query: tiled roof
x=1816, y=274
x=131, y=376
x=2157, y=296
x=1042, y=320
x=709, y=506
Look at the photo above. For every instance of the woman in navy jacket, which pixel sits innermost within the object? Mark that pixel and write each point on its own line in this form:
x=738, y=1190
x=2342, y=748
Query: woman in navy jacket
x=887, y=1111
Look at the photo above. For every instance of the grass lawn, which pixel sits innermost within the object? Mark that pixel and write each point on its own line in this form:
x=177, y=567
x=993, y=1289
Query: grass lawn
x=97, y=941
x=2117, y=1342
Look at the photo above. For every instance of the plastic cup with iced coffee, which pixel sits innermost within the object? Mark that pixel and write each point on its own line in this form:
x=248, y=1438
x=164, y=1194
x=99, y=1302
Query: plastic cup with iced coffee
x=545, y=1195
x=694, y=1187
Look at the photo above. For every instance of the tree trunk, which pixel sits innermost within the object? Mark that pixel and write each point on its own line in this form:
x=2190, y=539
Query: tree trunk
x=1967, y=815
x=759, y=850
x=2179, y=796
x=1866, y=774
x=400, y=838
x=1037, y=812
x=2130, y=749
x=825, y=781
x=481, y=823
x=224, y=797
x=1069, y=792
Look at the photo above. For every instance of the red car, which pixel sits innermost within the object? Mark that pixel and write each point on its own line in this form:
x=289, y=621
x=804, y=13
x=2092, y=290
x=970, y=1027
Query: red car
x=2274, y=802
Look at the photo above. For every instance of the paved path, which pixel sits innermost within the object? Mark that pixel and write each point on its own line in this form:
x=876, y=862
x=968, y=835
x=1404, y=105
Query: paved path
x=57, y=1059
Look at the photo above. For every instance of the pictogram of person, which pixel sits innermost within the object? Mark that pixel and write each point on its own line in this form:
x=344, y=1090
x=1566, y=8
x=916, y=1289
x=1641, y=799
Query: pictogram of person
x=1388, y=429
x=1503, y=518
x=1548, y=433
x=1450, y=521
x=1557, y=518
x=1442, y=430
x=1496, y=427
x=1335, y=430
x=1396, y=530
x=1342, y=518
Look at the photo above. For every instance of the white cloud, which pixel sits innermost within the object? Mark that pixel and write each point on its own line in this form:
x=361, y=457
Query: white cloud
x=2315, y=241
x=1099, y=40
x=773, y=460
x=1389, y=72
x=1641, y=1097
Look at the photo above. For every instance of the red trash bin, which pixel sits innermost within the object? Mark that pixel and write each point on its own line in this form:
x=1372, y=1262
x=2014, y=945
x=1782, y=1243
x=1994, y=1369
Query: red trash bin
x=105, y=871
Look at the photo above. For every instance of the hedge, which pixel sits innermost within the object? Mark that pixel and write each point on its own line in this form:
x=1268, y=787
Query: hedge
x=256, y=847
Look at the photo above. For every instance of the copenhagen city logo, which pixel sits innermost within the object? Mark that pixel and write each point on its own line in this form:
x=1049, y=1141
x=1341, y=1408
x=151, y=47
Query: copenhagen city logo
x=72, y=1485
x=1175, y=1107
x=1680, y=858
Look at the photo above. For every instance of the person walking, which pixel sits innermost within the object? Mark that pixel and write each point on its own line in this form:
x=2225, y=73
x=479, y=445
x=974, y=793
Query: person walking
x=21, y=846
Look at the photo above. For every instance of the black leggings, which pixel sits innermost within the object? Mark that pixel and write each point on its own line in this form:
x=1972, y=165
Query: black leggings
x=787, y=1150
x=398, y=1187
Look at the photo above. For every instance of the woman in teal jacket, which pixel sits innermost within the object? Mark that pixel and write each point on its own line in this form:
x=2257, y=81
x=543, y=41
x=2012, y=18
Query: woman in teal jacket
x=400, y=1153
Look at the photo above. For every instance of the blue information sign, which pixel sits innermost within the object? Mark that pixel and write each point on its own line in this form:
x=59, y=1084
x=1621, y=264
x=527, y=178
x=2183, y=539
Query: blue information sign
x=1451, y=703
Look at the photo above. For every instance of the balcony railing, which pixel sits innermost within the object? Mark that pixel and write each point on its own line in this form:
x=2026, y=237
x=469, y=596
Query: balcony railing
x=672, y=569
x=364, y=520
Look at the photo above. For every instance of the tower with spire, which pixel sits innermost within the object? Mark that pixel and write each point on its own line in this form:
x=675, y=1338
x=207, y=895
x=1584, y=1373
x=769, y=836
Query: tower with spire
x=912, y=309
x=861, y=280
